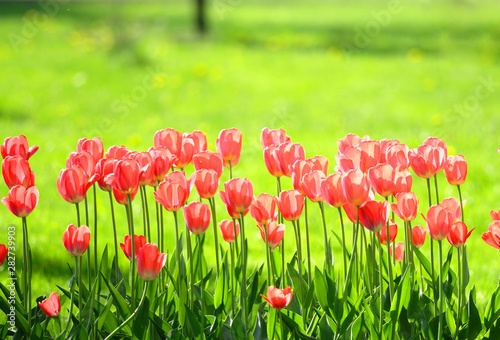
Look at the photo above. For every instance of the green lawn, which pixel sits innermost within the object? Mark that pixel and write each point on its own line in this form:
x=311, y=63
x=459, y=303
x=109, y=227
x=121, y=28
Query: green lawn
x=123, y=72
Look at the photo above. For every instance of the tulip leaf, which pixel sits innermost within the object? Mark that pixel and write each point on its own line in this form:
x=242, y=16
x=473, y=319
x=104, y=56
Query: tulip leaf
x=260, y=332
x=465, y=274
x=120, y=302
x=325, y=328
x=220, y=288
x=193, y=325
x=402, y=296
x=321, y=289
x=20, y=320
x=492, y=311
x=141, y=321
x=474, y=324
x=106, y=318
x=271, y=322
x=423, y=260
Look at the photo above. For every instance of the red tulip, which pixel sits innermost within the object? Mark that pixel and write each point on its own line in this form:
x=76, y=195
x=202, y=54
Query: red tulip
x=290, y=204
x=117, y=152
x=397, y=156
x=370, y=154
x=402, y=182
x=125, y=176
x=103, y=168
x=51, y=306
x=400, y=248
x=385, y=145
x=197, y=217
x=319, y=163
x=439, y=221
x=16, y=171
x=273, y=137
x=455, y=170
x=434, y=141
x=299, y=169
x=84, y=160
x=278, y=298
x=350, y=140
x=373, y=215
x=393, y=232
x=145, y=162
x=427, y=160
x=17, y=146
x=492, y=236
x=76, y=240
x=406, y=206
x=350, y=159
x=238, y=195
x=150, y=261
x=187, y=152
x=206, y=182
x=381, y=177
x=290, y=153
x=356, y=187
x=495, y=216
x=331, y=189
x=454, y=206
x=21, y=201
x=227, y=230
x=162, y=161
x=275, y=233
x=92, y=146
x=170, y=139
x=458, y=234
x=351, y=212
x=199, y=139
x=3, y=253
x=272, y=156
x=208, y=160
x=173, y=192
x=122, y=198
x=72, y=184
x=311, y=184
x=263, y=209
x=229, y=146
x=418, y=235
x=139, y=242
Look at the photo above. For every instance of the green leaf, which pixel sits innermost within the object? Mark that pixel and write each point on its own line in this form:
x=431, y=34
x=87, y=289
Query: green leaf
x=271, y=322
x=107, y=318
x=220, y=288
x=423, y=260
x=238, y=329
x=260, y=332
x=141, y=322
x=474, y=325
x=492, y=311
x=321, y=289
x=120, y=302
x=402, y=297
x=194, y=326
x=325, y=330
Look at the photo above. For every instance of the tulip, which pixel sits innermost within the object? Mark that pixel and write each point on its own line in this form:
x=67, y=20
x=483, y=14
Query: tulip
x=458, y=234
x=397, y=156
x=272, y=155
x=126, y=175
x=402, y=181
x=455, y=170
x=356, y=187
x=92, y=146
x=299, y=169
x=206, y=182
x=393, y=232
x=406, y=206
x=197, y=217
x=351, y=212
x=278, y=298
x=436, y=142
x=427, y=160
x=263, y=209
x=162, y=161
x=350, y=140
x=145, y=162
x=139, y=242
x=370, y=154
x=170, y=139
x=311, y=184
x=290, y=204
x=492, y=236
x=439, y=221
x=381, y=177
x=208, y=160
x=332, y=191
x=399, y=251
x=418, y=235
x=16, y=171
x=273, y=137
x=495, y=216
x=385, y=145
x=17, y=146
x=117, y=152
x=72, y=184
x=373, y=215
x=173, y=192
x=319, y=163
x=275, y=233
x=186, y=155
x=84, y=160
x=21, y=201
x=229, y=146
x=227, y=230
x=290, y=153
x=350, y=159
x=3, y=253
x=199, y=139
x=103, y=168
x=122, y=198
x=51, y=306
x=452, y=204
x=76, y=240
x=150, y=261
x=238, y=195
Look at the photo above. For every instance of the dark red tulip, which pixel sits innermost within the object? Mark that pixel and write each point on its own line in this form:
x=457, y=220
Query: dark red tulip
x=273, y=137
x=402, y=182
x=263, y=208
x=333, y=193
x=311, y=184
x=173, y=192
x=92, y=146
x=439, y=221
x=84, y=160
x=278, y=298
x=122, y=198
x=406, y=207
x=290, y=204
x=150, y=262
x=17, y=146
x=351, y=212
x=238, y=195
x=458, y=234
x=21, y=201
x=72, y=184
x=492, y=236
x=197, y=216
x=170, y=139
x=227, y=230
x=381, y=177
x=206, y=182
x=418, y=235
x=76, y=240
x=117, y=152
x=51, y=306
x=16, y=171
x=356, y=187
x=275, y=233
x=373, y=215
x=290, y=153
x=229, y=146
x=393, y=232
x=455, y=170
x=208, y=160
x=139, y=242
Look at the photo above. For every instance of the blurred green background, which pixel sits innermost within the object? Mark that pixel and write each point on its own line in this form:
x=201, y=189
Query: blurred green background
x=319, y=69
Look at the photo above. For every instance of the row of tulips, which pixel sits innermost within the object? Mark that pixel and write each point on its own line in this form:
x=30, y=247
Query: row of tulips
x=367, y=296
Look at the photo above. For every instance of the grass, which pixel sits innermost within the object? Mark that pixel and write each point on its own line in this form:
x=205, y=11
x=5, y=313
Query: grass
x=124, y=71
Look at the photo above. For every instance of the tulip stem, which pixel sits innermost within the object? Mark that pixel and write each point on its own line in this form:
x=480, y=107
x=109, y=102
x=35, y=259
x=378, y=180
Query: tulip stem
x=145, y=228
x=89, y=259
x=381, y=259
x=159, y=235
x=412, y=260
x=232, y=278
x=235, y=236
x=308, y=252
x=80, y=304
x=325, y=236
x=440, y=327
x=344, y=252
x=355, y=249
x=267, y=256
x=26, y=272
x=243, y=287
x=299, y=265
x=147, y=212
x=77, y=205
x=95, y=251
x=177, y=254
x=131, y=315
x=72, y=290
x=200, y=266
x=132, y=260
x=389, y=264
x=216, y=238
x=432, y=247
x=114, y=235
x=282, y=243
x=281, y=324
x=230, y=170
x=191, y=267
x=461, y=204
x=436, y=187
x=459, y=286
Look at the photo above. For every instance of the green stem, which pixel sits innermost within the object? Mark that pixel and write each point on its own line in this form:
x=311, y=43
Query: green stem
x=374, y=261
x=389, y=264
x=243, y=295
x=381, y=279
x=177, y=254
x=80, y=304
x=282, y=243
x=432, y=246
x=459, y=286
x=147, y=212
x=231, y=246
x=299, y=265
x=235, y=236
x=461, y=204
x=89, y=259
x=191, y=267
x=230, y=171
x=131, y=316
x=114, y=235
x=344, y=251
x=412, y=260
x=281, y=325
x=355, y=250
x=132, y=258
x=26, y=272
x=145, y=227
x=72, y=289
x=440, y=326
x=200, y=266
x=436, y=187
x=216, y=238
x=269, y=282
x=96, y=265
x=325, y=236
